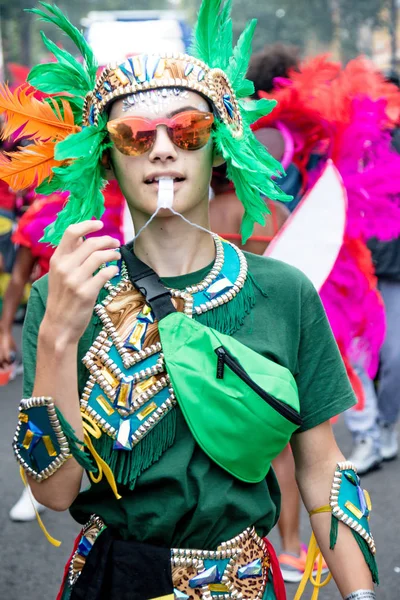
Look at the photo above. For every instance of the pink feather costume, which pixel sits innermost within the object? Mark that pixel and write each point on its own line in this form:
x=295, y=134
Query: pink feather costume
x=349, y=113
x=44, y=210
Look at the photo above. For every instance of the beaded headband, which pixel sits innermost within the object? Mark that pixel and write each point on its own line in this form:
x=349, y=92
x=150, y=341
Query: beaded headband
x=149, y=72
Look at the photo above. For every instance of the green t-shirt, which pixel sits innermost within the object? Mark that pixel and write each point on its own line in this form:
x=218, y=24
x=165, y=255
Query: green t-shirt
x=184, y=499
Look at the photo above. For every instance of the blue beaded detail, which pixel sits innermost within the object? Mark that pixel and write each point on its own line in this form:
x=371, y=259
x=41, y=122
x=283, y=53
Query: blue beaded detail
x=151, y=66
x=228, y=105
x=211, y=575
x=126, y=72
x=188, y=69
x=92, y=115
x=84, y=546
x=253, y=569
x=180, y=595
x=220, y=286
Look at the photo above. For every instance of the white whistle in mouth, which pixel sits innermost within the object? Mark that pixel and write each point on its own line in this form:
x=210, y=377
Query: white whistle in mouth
x=165, y=197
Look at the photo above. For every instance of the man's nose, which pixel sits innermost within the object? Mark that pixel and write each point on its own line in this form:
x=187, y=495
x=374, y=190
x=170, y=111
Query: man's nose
x=163, y=148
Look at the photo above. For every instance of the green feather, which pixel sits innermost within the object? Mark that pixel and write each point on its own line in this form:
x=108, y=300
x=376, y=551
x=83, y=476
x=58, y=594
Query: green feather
x=253, y=110
x=239, y=62
x=78, y=145
x=81, y=206
x=63, y=57
x=69, y=61
x=82, y=177
x=206, y=33
x=55, y=78
x=245, y=89
x=67, y=75
x=57, y=18
x=49, y=186
x=225, y=36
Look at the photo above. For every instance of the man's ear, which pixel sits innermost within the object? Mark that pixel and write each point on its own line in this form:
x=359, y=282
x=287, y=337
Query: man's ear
x=107, y=164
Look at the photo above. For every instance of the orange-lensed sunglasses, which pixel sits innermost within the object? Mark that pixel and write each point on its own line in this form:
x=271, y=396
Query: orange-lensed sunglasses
x=189, y=130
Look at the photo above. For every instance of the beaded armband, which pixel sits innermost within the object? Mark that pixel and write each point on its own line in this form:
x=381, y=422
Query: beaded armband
x=351, y=505
x=40, y=445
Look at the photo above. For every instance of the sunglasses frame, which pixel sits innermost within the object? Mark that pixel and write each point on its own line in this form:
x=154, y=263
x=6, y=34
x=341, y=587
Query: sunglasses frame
x=170, y=124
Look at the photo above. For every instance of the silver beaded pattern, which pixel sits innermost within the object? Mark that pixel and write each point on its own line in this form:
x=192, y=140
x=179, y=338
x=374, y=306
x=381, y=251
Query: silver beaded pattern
x=185, y=557
x=100, y=349
x=232, y=550
x=339, y=513
x=95, y=523
x=362, y=595
x=112, y=368
x=65, y=453
x=188, y=292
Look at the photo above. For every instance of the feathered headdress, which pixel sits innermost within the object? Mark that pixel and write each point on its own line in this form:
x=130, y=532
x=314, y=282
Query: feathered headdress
x=69, y=127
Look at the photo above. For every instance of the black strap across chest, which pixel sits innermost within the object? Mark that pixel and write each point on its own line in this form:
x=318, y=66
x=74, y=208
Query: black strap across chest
x=148, y=283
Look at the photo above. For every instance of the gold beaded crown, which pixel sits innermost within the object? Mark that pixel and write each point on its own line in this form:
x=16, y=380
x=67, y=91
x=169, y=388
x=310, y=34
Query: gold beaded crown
x=70, y=128
x=150, y=72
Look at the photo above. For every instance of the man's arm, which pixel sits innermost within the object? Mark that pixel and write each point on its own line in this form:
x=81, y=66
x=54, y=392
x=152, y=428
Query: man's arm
x=73, y=290
x=316, y=455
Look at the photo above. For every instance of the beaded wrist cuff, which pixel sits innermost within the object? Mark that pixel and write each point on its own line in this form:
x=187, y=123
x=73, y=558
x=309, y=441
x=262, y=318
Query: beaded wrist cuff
x=361, y=595
x=40, y=445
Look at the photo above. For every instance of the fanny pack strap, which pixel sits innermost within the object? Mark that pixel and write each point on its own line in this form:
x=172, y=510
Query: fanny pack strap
x=148, y=283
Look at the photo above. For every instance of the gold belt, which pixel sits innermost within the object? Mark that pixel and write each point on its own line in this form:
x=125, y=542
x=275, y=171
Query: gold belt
x=238, y=569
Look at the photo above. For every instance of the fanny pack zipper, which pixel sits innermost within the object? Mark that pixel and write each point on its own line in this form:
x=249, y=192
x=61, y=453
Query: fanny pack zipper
x=225, y=358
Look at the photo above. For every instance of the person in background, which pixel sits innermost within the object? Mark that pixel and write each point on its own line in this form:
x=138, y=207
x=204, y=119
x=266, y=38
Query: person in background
x=226, y=213
x=272, y=62
x=374, y=429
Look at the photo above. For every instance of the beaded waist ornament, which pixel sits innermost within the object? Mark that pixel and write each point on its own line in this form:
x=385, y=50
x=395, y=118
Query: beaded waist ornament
x=239, y=568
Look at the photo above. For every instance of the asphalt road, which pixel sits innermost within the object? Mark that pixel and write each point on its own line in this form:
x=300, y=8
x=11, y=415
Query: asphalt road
x=31, y=568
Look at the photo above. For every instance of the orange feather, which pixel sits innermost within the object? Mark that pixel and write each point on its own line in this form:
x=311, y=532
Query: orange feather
x=29, y=166
x=41, y=120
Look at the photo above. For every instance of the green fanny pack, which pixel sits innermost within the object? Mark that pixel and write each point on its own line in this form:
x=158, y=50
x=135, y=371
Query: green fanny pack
x=240, y=407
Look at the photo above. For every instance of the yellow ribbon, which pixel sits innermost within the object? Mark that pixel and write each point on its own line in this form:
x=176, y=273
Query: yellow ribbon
x=90, y=427
x=42, y=526
x=314, y=554
x=321, y=509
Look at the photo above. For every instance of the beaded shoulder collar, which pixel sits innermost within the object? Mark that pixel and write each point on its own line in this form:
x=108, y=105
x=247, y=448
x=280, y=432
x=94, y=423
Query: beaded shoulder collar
x=222, y=284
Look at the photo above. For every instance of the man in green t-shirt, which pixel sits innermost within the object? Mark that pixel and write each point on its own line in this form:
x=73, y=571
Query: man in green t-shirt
x=175, y=374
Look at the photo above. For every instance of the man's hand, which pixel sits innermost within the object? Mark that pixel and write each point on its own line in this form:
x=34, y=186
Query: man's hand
x=73, y=289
